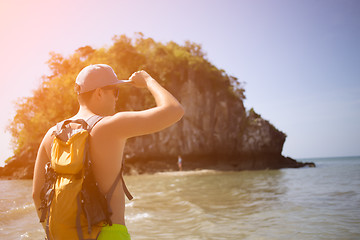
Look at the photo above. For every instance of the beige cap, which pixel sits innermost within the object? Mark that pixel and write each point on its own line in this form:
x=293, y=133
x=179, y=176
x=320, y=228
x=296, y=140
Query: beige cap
x=97, y=76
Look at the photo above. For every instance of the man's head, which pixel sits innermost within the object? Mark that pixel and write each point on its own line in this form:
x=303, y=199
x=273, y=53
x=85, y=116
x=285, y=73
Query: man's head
x=96, y=76
x=94, y=83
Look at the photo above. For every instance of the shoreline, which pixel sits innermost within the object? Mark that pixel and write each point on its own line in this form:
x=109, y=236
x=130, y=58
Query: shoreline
x=16, y=169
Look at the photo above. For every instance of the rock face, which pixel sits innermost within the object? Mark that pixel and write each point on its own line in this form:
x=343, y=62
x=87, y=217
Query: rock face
x=216, y=132
x=19, y=167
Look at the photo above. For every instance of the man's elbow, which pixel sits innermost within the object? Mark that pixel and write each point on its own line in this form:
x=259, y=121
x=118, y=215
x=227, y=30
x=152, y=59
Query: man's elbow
x=179, y=112
x=35, y=195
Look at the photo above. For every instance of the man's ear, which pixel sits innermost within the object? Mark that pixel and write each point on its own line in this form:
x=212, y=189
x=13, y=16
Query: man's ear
x=98, y=93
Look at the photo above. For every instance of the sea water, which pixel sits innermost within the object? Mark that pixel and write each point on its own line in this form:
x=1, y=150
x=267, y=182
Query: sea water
x=305, y=203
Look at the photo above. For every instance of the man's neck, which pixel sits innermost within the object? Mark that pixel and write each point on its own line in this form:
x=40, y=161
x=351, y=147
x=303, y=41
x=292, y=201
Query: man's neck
x=83, y=113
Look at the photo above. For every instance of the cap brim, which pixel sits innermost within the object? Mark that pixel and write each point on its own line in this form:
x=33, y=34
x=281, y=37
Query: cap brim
x=121, y=83
x=125, y=81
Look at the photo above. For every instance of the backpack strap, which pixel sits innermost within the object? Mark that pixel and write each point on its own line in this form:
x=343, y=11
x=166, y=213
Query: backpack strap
x=64, y=133
x=92, y=121
x=78, y=223
x=47, y=228
x=109, y=194
x=79, y=121
x=88, y=124
x=126, y=190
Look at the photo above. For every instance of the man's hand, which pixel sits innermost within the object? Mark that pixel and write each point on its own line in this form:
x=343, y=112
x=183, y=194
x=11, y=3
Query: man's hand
x=140, y=78
x=136, y=123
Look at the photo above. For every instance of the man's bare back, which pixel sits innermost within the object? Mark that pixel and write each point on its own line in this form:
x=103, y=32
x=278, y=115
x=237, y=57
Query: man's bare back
x=106, y=151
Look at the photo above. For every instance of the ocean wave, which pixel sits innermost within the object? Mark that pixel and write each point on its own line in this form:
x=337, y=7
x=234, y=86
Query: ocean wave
x=130, y=204
x=137, y=217
x=14, y=218
x=17, y=212
x=185, y=173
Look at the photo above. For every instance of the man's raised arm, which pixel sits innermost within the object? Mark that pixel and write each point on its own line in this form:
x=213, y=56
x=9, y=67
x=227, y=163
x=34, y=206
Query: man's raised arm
x=167, y=111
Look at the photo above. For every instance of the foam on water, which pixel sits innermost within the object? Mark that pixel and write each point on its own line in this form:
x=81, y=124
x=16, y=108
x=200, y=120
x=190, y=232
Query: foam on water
x=186, y=173
x=137, y=217
x=18, y=212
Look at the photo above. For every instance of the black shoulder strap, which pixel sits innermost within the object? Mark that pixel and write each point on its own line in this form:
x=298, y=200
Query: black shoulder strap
x=109, y=194
x=92, y=121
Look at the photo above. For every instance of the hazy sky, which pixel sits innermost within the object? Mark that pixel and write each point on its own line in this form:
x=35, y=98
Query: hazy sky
x=300, y=59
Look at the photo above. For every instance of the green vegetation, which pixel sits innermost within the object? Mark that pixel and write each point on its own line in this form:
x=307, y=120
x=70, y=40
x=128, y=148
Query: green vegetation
x=171, y=64
x=253, y=114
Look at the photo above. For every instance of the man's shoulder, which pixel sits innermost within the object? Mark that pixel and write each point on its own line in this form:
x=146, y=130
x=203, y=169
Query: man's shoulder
x=49, y=134
x=111, y=126
x=51, y=130
x=110, y=121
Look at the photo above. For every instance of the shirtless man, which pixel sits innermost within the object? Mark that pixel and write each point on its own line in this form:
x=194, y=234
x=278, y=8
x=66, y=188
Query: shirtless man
x=97, y=95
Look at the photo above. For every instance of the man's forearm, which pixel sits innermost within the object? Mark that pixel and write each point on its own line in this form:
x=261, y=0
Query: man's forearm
x=161, y=95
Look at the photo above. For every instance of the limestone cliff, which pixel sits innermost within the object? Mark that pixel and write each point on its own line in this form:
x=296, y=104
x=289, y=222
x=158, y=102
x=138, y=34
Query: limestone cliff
x=216, y=132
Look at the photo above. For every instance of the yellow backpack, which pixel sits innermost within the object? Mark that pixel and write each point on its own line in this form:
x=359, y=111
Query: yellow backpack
x=71, y=202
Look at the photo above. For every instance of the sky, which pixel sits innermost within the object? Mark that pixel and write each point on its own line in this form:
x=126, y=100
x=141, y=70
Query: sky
x=299, y=60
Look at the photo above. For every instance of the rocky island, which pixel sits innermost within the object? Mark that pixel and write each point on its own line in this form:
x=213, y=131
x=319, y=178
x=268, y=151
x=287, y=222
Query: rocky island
x=216, y=132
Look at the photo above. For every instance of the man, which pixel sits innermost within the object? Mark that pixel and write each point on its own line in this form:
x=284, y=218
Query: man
x=97, y=94
x=180, y=163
